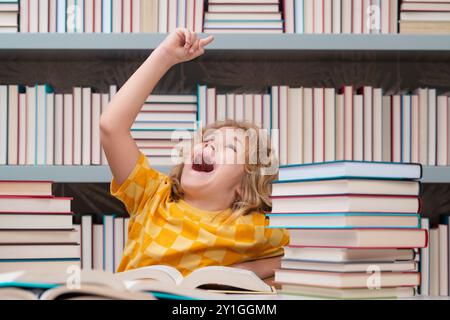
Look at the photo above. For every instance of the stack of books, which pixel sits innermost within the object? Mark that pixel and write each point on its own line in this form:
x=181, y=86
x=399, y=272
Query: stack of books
x=110, y=16
x=102, y=244
x=341, y=16
x=36, y=230
x=9, y=16
x=163, y=122
x=425, y=17
x=243, y=16
x=354, y=229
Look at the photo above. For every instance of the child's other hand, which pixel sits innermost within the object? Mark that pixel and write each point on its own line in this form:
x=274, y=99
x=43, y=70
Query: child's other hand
x=184, y=45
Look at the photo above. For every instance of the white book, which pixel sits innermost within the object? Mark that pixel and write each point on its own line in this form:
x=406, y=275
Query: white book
x=423, y=126
x=97, y=247
x=308, y=16
x=68, y=130
x=387, y=129
x=126, y=12
x=86, y=242
x=118, y=241
x=337, y=24
x=366, y=16
x=347, y=13
x=41, y=109
x=79, y=14
x=181, y=10
x=13, y=124
x=295, y=128
x=70, y=16
x=77, y=124
x=328, y=16
x=97, y=16
x=434, y=262
x=289, y=18
x=319, y=126
x=393, y=16
x=432, y=127
x=210, y=105
x=31, y=125
x=248, y=108
x=340, y=127
x=136, y=16
x=425, y=262
x=86, y=126
x=358, y=128
x=89, y=16
x=441, y=139
x=105, y=102
x=52, y=13
x=443, y=260
x=190, y=10
x=162, y=17
x=117, y=16
x=385, y=16
x=396, y=128
x=267, y=112
x=258, y=110
x=375, y=16
x=198, y=16
x=61, y=22
x=330, y=124
x=24, y=16
x=50, y=127
x=34, y=16
x=283, y=118
x=172, y=15
x=348, y=123
x=221, y=107
x=95, y=128
x=299, y=16
x=59, y=132
x=230, y=97
x=202, y=102
x=318, y=17
x=368, y=123
x=3, y=124
x=357, y=13
x=308, y=125
x=406, y=128
x=22, y=128
x=377, y=124
x=239, y=107
x=106, y=16
x=108, y=243
x=415, y=128
x=43, y=16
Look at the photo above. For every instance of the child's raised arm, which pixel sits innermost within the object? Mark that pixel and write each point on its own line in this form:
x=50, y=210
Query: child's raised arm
x=115, y=123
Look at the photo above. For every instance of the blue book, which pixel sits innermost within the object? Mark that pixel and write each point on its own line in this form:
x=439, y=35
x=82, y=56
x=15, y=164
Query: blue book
x=299, y=16
x=107, y=16
x=61, y=9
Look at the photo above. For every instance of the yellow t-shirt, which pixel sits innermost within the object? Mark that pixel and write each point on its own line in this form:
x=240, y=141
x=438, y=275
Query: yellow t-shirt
x=162, y=231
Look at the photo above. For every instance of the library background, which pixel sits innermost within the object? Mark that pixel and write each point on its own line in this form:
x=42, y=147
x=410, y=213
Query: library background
x=357, y=80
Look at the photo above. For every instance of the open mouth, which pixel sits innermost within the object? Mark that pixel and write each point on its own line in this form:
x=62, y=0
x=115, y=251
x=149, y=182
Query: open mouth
x=200, y=165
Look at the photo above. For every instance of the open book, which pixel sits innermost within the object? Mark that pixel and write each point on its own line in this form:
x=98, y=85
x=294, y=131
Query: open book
x=212, y=278
x=149, y=283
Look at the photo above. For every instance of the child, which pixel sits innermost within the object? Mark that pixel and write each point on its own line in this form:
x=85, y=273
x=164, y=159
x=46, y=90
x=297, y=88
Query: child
x=210, y=210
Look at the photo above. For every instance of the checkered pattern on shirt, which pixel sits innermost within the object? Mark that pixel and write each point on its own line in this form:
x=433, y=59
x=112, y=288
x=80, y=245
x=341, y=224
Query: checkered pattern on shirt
x=162, y=231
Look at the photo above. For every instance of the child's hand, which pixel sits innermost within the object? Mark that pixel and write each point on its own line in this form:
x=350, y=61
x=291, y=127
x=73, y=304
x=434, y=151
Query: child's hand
x=184, y=45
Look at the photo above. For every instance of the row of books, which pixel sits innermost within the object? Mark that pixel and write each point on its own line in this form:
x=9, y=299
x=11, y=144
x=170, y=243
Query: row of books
x=37, y=232
x=354, y=229
x=425, y=17
x=9, y=12
x=341, y=16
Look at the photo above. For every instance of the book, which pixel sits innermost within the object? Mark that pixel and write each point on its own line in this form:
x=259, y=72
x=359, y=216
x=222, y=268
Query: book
x=359, y=238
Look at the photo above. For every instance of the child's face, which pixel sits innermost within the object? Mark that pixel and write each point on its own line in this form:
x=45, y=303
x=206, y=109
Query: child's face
x=216, y=164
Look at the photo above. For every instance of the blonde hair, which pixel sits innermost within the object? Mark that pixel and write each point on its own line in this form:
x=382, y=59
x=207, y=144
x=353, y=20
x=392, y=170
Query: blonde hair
x=256, y=187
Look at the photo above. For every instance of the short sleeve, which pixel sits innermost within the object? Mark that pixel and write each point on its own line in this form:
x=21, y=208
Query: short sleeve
x=142, y=184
